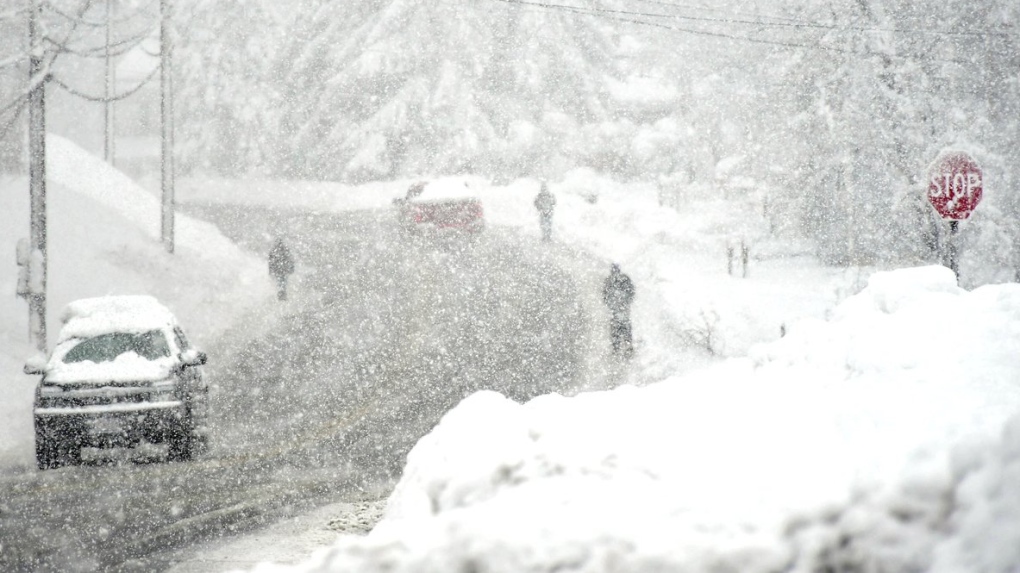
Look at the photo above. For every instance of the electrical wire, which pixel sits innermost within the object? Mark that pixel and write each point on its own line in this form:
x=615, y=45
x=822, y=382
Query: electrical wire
x=795, y=23
x=714, y=9
x=18, y=100
x=124, y=46
x=13, y=61
x=103, y=99
x=14, y=119
x=74, y=24
x=49, y=5
x=14, y=13
x=595, y=12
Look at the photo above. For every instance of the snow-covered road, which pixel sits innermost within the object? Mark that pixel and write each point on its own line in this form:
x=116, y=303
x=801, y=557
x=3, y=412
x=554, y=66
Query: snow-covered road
x=319, y=398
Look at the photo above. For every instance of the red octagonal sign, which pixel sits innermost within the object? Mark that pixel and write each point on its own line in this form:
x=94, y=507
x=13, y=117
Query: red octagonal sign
x=954, y=185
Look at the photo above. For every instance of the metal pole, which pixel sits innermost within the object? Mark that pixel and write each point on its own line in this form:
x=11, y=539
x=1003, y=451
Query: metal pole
x=108, y=118
x=37, y=183
x=951, y=254
x=167, y=132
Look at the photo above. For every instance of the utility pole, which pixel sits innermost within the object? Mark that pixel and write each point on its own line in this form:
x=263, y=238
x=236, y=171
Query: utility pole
x=167, y=130
x=108, y=118
x=36, y=264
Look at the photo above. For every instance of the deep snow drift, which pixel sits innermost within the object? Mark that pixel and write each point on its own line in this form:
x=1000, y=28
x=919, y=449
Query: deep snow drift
x=881, y=439
x=875, y=434
x=103, y=239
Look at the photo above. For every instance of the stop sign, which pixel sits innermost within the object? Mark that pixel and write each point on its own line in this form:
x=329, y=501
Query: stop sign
x=954, y=185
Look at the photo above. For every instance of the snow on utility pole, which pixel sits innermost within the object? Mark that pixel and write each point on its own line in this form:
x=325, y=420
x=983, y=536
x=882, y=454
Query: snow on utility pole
x=36, y=263
x=167, y=130
x=108, y=134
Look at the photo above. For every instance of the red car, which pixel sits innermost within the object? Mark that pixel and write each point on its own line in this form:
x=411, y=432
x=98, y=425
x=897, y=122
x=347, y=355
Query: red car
x=440, y=207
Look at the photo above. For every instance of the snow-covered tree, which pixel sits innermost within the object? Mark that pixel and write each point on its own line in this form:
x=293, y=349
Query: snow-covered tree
x=835, y=109
x=226, y=100
x=427, y=86
x=881, y=90
x=373, y=88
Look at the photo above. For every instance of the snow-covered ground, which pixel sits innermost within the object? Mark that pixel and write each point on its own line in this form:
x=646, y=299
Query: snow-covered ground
x=882, y=439
x=104, y=238
x=877, y=434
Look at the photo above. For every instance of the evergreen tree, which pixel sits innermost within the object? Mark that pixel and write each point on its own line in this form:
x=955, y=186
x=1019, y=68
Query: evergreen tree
x=374, y=88
x=226, y=101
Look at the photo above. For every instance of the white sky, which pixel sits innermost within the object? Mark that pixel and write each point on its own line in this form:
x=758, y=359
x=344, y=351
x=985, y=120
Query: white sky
x=885, y=417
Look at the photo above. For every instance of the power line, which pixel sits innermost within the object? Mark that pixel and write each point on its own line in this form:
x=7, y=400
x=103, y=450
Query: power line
x=62, y=47
x=127, y=44
x=98, y=23
x=597, y=12
x=713, y=9
x=10, y=105
x=13, y=60
x=795, y=23
x=43, y=74
x=103, y=99
x=74, y=27
x=23, y=103
x=14, y=13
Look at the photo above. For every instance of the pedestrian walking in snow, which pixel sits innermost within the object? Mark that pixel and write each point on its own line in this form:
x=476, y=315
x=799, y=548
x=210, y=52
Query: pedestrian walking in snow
x=281, y=266
x=545, y=202
x=618, y=293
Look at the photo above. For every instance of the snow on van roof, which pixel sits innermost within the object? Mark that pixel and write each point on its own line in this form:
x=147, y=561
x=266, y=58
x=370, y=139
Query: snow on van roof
x=127, y=313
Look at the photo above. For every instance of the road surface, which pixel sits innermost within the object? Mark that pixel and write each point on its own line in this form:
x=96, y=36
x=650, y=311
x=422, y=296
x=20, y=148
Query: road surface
x=379, y=338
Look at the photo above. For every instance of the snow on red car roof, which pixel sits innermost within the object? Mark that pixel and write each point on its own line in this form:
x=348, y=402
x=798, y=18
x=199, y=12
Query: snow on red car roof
x=444, y=189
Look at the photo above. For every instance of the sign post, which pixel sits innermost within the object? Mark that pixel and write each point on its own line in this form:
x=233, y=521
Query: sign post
x=955, y=186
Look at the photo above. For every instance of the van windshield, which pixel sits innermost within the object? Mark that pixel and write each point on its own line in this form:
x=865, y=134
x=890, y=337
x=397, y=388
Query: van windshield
x=107, y=347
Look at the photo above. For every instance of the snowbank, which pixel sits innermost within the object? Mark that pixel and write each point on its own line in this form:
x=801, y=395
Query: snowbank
x=103, y=239
x=868, y=439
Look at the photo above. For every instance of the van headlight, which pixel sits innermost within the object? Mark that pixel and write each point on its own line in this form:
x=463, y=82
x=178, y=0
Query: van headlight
x=164, y=390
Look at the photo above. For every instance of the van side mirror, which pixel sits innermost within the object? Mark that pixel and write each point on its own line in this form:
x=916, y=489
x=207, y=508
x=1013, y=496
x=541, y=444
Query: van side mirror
x=193, y=357
x=36, y=365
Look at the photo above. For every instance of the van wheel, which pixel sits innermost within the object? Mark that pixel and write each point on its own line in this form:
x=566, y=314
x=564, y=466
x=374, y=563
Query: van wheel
x=182, y=444
x=53, y=449
x=45, y=453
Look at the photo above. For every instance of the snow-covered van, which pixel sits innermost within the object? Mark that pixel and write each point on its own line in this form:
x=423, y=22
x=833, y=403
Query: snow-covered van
x=440, y=207
x=122, y=371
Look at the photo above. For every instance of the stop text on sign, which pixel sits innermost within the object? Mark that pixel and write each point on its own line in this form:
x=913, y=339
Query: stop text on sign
x=955, y=185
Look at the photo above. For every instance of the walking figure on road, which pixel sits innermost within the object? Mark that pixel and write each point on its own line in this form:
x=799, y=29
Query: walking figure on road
x=618, y=293
x=545, y=202
x=281, y=266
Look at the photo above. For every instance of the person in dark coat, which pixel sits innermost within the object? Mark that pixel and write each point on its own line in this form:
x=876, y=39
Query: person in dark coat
x=545, y=202
x=281, y=266
x=618, y=294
